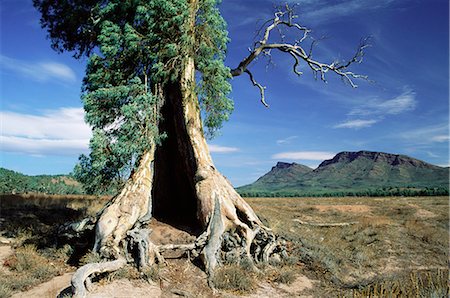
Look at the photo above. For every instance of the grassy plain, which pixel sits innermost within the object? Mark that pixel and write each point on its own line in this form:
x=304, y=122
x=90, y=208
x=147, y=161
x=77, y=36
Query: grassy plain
x=359, y=245
x=346, y=247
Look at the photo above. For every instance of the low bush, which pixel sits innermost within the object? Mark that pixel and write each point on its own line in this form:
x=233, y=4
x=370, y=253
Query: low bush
x=233, y=278
x=28, y=267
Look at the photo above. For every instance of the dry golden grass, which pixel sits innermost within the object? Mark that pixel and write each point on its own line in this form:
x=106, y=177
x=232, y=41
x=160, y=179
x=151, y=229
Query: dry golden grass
x=27, y=267
x=392, y=244
x=388, y=238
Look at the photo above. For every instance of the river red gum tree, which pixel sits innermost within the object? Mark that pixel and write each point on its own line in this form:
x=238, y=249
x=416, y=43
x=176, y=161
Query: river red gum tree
x=153, y=66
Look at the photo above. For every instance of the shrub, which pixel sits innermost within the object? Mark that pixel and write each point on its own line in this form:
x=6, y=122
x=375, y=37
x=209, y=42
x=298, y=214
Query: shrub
x=285, y=276
x=5, y=290
x=233, y=278
x=28, y=268
x=90, y=257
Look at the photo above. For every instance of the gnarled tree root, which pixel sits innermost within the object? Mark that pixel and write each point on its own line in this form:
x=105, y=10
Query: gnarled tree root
x=81, y=278
x=233, y=234
x=214, y=247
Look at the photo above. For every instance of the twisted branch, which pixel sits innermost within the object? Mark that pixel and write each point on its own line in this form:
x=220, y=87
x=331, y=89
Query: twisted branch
x=285, y=18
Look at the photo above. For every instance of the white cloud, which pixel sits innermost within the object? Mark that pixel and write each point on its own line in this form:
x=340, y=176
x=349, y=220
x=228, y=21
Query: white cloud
x=321, y=11
x=40, y=147
x=304, y=155
x=431, y=154
x=61, y=132
x=440, y=138
x=286, y=140
x=356, y=124
x=221, y=149
x=402, y=103
x=428, y=134
x=41, y=71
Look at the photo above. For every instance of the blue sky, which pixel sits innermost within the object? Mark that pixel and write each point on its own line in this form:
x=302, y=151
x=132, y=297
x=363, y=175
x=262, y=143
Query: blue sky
x=405, y=110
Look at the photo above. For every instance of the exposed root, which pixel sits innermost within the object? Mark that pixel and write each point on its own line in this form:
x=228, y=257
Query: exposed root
x=77, y=229
x=81, y=277
x=214, y=232
x=235, y=233
x=146, y=252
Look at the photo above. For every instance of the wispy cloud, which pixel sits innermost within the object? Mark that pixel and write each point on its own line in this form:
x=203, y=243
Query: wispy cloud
x=286, y=140
x=38, y=71
x=440, y=138
x=60, y=132
x=431, y=154
x=322, y=10
x=402, y=103
x=376, y=110
x=356, y=124
x=427, y=134
x=221, y=149
x=304, y=155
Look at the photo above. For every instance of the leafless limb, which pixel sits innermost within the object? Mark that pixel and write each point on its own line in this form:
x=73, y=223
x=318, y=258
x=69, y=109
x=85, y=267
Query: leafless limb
x=260, y=87
x=286, y=18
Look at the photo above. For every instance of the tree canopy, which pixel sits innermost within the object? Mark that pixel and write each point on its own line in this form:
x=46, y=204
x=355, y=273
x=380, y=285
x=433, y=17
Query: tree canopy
x=136, y=48
x=133, y=48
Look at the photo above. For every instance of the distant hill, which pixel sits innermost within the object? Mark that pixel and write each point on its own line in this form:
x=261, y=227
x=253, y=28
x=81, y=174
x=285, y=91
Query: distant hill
x=13, y=182
x=359, y=173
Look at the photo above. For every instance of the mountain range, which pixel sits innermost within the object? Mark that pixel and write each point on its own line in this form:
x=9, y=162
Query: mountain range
x=351, y=172
x=347, y=173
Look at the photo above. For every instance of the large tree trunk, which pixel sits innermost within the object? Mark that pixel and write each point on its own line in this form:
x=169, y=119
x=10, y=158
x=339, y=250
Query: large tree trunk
x=178, y=179
x=188, y=188
x=178, y=184
x=132, y=205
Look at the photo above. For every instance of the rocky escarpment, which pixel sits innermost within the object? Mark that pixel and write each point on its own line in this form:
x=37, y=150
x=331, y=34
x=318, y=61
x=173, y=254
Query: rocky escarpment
x=352, y=172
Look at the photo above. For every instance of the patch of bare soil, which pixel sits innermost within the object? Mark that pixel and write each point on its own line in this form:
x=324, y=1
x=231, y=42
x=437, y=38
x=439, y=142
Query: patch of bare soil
x=166, y=234
x=422, y=213
x=181, y=279
x=296, y=289
x=124, y=288
x=51, y=288
x=376, y=221
x=5, y=250
x=344, y=208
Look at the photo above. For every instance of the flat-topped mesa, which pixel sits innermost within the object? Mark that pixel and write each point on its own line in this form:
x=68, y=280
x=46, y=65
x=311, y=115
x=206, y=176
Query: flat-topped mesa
x=389, y=158
x=283, y=165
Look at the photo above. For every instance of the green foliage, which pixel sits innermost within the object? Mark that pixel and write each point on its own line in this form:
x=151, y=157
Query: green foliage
x=136, y=49
x=214, y=86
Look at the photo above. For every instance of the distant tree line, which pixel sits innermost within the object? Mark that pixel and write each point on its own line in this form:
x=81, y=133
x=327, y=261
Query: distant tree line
x=13, y=182
x=379, y=192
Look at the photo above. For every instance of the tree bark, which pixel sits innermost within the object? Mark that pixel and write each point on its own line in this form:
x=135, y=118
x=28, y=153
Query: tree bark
x=177, y=183
x=132, y=205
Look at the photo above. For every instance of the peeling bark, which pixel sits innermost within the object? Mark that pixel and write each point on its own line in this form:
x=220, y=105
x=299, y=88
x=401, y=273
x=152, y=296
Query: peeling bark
x=178, y=183
x=131, y=205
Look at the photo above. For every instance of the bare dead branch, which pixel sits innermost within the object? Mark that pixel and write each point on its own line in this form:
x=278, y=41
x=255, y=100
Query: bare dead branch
x=260, y=87
x=286, y=18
